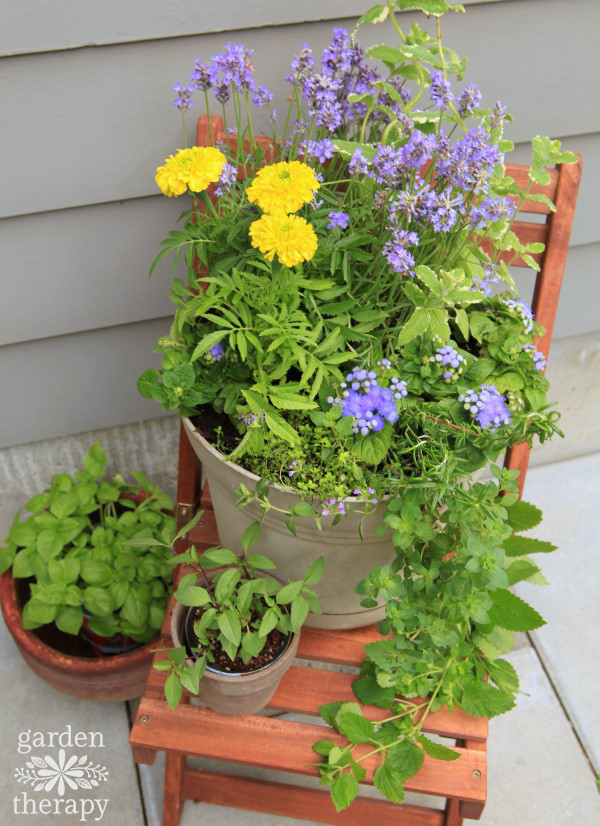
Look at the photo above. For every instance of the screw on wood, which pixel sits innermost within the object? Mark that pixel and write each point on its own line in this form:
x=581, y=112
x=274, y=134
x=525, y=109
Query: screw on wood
x=476, y=773
x=144, y=718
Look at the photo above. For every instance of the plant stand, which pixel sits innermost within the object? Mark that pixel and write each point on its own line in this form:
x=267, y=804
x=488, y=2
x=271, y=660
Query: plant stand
x=283, y=745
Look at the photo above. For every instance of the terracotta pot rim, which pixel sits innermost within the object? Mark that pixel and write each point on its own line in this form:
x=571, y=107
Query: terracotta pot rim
x=37, y=649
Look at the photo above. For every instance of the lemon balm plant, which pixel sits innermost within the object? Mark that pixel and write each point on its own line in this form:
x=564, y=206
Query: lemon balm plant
x=350, y=335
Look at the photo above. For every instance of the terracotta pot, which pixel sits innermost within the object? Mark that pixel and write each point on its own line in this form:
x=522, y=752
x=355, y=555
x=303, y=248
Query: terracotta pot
x=236, y=694
x=348, y=559
x=106, y=679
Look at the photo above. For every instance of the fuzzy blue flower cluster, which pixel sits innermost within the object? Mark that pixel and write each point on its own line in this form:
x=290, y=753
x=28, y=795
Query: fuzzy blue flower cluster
x=488, y=407
x=484, y=282
x=522, y=311
x=369, y=404
x=449, y=358
x=538, y=358
x=216, y=353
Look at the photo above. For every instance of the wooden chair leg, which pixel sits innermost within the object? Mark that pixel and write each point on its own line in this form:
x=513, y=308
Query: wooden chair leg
x=173, y=801
x=452, y=815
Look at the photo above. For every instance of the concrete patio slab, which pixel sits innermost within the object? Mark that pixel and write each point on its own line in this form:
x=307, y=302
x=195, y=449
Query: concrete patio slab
x=569, y=645
x=31, y=706
x=537, y=773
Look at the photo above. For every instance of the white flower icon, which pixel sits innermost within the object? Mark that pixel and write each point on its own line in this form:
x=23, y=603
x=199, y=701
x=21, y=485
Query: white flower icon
x=60, y=773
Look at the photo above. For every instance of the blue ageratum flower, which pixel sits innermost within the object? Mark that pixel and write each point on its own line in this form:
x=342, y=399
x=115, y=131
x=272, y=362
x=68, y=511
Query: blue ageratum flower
x=538, y=358
x=488, y=407
x=522, y=311
x=369, y=404
x=451, y=360
x=216, y=353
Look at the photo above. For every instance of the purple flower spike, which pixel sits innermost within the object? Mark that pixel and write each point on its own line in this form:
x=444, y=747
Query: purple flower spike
x=338, y=219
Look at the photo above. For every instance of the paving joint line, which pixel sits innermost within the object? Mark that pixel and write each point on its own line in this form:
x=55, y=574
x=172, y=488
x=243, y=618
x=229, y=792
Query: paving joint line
x=563, y=705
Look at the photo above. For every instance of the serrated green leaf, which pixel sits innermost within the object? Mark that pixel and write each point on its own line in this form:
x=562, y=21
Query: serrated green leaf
x=389, y=782
x=415, y=326
x=481, y=699
x=510, y=611
x=355, y=727
x=344, y=789
x=522, y=516
x=523, y=545
x=406, y=758
x=436, y=750
x=504, y=675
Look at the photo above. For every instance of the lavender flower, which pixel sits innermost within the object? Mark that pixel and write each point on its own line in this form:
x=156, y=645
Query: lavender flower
x=446, y=210
x=302, y=64
x=321, y=150
x=359, y=164
x=235, y=66
x=398, y=257
x=338, y=219
x=522, y=310
x=484, y=282
x=417, y=150
x=440, y=92
x=497, y=115
x=200, y=76
x=222, y=93
x=292, y=468
x=338, y=56
x=261, y=96
x=488, y=407
x=183, y=100
x=227, y=179
x=469, y=99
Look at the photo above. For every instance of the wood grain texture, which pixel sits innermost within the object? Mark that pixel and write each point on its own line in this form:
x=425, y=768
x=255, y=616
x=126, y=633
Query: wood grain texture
x=271, y=743
x=302, y=690
x=300, y=802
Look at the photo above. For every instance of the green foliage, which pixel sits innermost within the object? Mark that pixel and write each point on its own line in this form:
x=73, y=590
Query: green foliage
x=239, y=607
x=91, y=551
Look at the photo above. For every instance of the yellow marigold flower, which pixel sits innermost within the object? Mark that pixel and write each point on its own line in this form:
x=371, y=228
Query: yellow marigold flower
x=289, y=237
x=192, y=169
x=283, y=187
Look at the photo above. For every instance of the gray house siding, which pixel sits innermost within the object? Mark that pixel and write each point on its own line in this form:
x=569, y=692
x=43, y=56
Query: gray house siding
x=85, y=126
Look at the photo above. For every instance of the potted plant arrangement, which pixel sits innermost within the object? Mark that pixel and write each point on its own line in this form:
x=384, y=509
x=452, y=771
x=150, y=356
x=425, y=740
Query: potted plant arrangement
x=350, y=349
x=81, y=605
x=235, y=631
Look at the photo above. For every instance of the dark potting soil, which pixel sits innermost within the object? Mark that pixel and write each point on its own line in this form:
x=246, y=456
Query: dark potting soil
x=274, y=646
x=208, y=420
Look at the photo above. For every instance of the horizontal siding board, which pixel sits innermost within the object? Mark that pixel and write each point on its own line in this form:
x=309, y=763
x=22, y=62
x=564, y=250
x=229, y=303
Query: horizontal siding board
x=88, y=268
x=103, y=118
x=41, y=25
x=586, y=227
x=70, y=384
x=86, y=381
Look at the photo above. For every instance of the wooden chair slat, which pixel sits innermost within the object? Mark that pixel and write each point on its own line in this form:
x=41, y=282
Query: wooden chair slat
x=309, y=804
x=302, y=690
x=272, y=743
x=341, y=647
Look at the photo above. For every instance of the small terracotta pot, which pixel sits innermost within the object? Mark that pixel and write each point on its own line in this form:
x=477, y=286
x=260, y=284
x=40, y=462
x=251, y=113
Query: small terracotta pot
x=105, y=679
x=236, y=694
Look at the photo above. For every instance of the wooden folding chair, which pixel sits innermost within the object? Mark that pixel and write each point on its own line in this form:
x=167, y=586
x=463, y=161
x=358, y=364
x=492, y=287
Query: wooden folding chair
x=272, y=743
